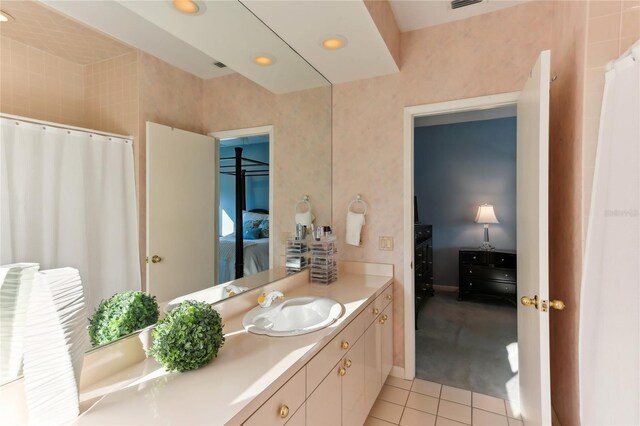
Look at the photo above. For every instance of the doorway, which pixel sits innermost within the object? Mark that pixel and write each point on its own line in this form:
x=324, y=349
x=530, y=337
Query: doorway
x=465, y=282
x=245, y=201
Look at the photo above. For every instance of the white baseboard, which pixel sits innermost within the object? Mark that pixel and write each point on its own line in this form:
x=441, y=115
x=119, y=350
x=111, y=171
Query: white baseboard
x=399, y=373
x=449, y=288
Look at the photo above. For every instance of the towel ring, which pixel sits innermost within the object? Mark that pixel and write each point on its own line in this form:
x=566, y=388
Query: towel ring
x=358, y=200
x=304, y=201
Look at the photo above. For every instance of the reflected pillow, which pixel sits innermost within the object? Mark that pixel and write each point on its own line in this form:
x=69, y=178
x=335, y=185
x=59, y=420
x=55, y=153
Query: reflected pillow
x=253, y=216
x=264, y=228
x=251, y=224
x=251, y=233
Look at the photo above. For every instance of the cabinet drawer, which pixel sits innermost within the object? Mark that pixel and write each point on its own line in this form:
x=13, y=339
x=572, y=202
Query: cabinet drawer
x=489, y=287
x=488, y=273
x=291, y=395
x=503, y=260
x=474, y=257
x=328, y=356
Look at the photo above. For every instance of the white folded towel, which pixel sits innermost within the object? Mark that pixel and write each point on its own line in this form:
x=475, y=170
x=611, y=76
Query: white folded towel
x=305, y=219
x=354, y=227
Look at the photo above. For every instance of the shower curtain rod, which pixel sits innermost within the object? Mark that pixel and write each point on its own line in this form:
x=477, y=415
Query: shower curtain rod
x=63, y=126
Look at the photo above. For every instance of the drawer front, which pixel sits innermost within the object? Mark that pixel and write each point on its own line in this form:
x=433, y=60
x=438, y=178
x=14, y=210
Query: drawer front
x=487, y=273
x=422, y=232
x=338, y=347
x=476, y=257
x=291, y=395
x=489, y=287
x=503, y=260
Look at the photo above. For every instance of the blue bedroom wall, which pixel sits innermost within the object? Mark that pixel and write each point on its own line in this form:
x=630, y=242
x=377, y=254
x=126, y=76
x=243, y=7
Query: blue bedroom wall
x=458, y=167
x=257, y=187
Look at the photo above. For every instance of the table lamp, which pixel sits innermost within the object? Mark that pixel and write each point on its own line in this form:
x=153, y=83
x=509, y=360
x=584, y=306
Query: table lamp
x=486, y=215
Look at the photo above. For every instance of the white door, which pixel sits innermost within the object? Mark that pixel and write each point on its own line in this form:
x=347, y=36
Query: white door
x=533, y=243
x=181, y=211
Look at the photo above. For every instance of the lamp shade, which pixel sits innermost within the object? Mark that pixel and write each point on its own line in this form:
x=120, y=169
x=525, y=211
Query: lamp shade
x=486, y=214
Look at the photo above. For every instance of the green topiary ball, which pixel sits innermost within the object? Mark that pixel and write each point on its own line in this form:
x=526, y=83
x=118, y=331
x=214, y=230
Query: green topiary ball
x=122, y=314
x=188, y=338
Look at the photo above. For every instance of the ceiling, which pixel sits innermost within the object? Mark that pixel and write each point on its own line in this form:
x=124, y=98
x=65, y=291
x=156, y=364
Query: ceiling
x=44, y=29
x=413, y=15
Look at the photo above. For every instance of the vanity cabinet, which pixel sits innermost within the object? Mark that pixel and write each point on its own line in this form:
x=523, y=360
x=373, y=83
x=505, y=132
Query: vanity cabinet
x=343, y=379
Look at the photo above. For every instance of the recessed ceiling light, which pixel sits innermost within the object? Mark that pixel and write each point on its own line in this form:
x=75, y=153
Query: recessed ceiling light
x=5, y=17
x=186, y=6
x=264, y=60
x=333, y=42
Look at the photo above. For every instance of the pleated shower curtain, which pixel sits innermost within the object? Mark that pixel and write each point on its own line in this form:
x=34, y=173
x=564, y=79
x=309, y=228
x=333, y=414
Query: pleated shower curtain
x=67, y=198
x=609, y=354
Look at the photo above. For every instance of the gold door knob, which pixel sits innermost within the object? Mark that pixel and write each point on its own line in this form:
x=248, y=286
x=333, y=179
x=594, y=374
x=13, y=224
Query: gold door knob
x=557, y=304
x=347, y=363
x=342, y=371
x=376, y=311
x=156, y=259
x=528, y=301
x=389, y=297
x=344, y=345
x=284, y=411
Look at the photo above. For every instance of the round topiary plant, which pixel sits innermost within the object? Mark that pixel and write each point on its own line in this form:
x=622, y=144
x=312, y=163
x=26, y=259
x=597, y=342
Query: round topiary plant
x=122, y=314
x=188, y=338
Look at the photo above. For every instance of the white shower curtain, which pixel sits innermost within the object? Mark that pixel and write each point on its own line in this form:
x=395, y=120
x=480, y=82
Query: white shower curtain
x=67, y=198
x=609, y=354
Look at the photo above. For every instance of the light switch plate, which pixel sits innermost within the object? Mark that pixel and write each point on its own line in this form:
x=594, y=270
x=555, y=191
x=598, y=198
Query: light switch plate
x=386, y=243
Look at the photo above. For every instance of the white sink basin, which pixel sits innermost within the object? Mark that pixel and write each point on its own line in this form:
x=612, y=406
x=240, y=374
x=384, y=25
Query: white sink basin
x=292, y=317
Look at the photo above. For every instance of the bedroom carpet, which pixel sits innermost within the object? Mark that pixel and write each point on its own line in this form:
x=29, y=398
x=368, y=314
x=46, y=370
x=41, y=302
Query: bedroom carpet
x=468, y=344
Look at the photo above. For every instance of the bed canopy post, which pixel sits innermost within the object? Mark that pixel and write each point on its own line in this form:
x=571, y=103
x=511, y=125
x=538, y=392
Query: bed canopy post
x=239, y=206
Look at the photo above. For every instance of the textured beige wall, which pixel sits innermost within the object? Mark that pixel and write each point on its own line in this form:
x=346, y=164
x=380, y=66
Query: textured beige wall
x=483, y=55
x=302, y=147
x=40, y=85
x=565, y=198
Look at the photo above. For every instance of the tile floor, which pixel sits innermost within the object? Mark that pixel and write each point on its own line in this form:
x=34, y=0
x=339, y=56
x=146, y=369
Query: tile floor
x=422, y=403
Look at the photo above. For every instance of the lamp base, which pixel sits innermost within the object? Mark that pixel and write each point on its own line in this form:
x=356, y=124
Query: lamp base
x=486, y=246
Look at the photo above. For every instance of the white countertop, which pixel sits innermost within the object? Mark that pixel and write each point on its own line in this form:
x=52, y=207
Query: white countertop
x=230, y=387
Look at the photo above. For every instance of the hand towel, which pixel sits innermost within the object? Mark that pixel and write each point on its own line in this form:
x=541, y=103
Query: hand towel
x=305, y=219
x=354, y=227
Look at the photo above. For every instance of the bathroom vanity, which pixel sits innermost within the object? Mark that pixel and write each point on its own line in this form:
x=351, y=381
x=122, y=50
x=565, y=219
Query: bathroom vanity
x=330, y=376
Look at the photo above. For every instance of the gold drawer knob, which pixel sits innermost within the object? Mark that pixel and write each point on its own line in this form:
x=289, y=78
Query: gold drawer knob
x=376, y=311
x=389, y=297
x=383, y=319
x=347, y=363
x=342, y=371
x=344, y=345
x=284, y=411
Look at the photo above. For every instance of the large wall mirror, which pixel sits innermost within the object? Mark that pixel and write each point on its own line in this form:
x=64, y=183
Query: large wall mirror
x=217, y=80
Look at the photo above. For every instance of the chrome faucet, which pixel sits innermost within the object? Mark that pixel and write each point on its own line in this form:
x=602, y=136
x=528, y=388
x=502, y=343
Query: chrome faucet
x=266, y=300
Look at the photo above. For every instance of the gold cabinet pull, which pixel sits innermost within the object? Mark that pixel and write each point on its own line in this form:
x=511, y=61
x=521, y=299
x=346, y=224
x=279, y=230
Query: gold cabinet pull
x=557, y=304
x=284, y=411
x=344, y=345
x=389, y=297
x=376, y=311
x=347, y=363
x=383, y=319
x=342, y=371
x=156, y=259
x=528, y=301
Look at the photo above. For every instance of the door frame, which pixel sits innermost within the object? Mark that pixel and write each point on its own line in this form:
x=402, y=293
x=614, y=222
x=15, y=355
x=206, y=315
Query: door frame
x=460, y=105
x=246, y=132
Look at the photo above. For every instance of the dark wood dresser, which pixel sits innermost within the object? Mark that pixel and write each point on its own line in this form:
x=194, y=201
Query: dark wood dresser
x=488, y=273
x=423, y=271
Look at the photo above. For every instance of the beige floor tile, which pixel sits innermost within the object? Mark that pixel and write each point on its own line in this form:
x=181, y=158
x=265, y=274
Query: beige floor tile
x=426, y=388
x=399, y=383
x=514, y=422
x=412, y=417
x=485, y=418
x=488, y=403
x=425, y=403
x=454, y=411
x=513, y=409
x=443, y=421
x=372, y=421
x=452, y=394
x=394, y=394
x=387, y=411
